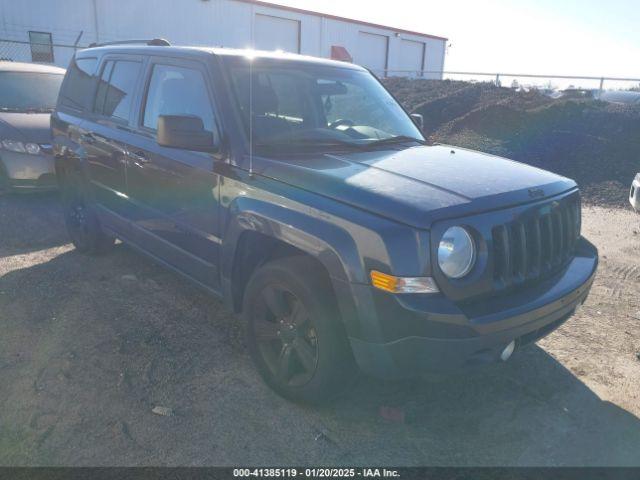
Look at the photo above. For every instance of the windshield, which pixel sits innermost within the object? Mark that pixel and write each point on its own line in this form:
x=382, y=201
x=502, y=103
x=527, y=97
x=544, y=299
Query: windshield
x=29, y=91
x=295, y=106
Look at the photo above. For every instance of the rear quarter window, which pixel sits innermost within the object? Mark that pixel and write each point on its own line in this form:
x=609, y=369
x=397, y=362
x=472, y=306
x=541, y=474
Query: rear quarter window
x=78, y=84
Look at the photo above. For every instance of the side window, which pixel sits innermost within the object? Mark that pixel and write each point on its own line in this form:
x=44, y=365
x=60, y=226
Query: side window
x=78, y=83
x=177, y=91
x=115, y=90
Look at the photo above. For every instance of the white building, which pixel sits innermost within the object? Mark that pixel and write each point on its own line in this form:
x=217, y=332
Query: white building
x=44, y=26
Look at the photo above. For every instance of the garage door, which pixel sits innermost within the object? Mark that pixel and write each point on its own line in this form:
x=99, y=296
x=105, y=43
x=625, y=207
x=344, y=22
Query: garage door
x=275, y=33
x=411, y=56
x=372, y=52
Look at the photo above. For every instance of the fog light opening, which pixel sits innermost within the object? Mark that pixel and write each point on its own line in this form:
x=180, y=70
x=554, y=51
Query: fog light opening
x=508, y=351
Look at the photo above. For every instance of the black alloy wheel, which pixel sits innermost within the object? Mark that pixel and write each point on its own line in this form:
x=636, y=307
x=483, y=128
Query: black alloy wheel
x=76, y=217
x=285, y=336
x=80, y=218
x=295, y=334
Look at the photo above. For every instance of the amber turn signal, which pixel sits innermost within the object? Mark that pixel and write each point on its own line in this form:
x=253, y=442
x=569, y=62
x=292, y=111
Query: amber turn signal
x=393, y=284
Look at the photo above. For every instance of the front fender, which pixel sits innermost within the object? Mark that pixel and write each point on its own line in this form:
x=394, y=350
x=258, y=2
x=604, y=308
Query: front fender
x=347, y=241
x=332, y=246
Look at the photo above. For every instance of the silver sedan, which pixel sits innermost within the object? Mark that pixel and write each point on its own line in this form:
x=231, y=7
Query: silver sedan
x=28, y=94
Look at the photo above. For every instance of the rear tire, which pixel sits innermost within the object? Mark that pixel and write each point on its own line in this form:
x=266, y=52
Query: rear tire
x=294, y=332
x=80, y=218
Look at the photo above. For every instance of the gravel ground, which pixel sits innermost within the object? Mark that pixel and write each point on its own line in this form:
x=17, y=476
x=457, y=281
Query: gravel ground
x=90, y=346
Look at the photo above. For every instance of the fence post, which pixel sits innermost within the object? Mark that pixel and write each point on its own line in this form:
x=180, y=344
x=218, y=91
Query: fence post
x=497, y=79
x=601, y=84
x=75, y=44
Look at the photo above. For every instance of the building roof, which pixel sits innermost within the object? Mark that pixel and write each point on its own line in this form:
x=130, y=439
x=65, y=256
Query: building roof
x=6, y=66
x=343, y=19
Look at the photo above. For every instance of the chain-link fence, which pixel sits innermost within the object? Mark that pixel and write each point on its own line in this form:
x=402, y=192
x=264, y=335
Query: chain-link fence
x=520, y=80
x=41, y=51
x=36, y=52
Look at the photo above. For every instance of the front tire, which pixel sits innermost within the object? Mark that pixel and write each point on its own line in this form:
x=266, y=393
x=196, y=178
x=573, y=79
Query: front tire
x=294, y=332
x=80, y=218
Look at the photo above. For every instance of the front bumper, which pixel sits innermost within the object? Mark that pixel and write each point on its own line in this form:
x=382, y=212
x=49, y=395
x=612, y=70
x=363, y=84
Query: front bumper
x=634, y=195
x=28, y=172
x=462, y=335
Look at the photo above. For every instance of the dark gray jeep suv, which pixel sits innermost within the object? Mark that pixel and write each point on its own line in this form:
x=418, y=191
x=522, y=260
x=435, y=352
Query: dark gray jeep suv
x=299, y=191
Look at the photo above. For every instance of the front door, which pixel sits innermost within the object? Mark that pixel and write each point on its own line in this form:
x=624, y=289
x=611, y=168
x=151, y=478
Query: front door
x=174, y=192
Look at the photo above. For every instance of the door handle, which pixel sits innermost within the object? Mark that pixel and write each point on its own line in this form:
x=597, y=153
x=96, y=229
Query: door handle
x=139, y=157
x=88, y=138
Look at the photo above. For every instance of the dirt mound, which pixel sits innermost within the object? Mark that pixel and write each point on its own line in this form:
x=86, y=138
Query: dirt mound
x=595, y=143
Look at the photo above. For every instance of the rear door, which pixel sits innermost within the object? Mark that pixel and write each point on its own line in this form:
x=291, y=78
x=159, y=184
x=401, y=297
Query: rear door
x=105, y=132
x=174, y=192
x=74, y=99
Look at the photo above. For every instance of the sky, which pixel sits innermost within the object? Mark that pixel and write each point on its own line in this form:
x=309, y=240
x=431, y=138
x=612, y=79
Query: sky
x=559, y=37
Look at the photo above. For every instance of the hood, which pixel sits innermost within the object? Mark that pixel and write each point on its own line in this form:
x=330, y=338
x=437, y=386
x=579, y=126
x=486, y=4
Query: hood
x=27, y=127
x=420, y=185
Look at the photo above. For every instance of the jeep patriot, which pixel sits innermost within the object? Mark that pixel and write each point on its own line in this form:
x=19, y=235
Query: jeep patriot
x=299, y=191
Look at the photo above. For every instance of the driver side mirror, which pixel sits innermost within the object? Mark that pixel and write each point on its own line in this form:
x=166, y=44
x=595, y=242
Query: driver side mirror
x=185, y=132
x=418, y=119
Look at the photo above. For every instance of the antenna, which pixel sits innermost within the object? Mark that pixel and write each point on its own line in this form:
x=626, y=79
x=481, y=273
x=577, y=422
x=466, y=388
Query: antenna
x=251, y=117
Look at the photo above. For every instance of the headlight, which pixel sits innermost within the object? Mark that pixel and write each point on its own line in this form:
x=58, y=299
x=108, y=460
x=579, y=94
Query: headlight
x=13, y=145
x=32, y=148
x=456, y=252
x=18, y=146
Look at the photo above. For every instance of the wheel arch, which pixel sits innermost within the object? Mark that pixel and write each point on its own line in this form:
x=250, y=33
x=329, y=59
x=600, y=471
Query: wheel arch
x=259, y=232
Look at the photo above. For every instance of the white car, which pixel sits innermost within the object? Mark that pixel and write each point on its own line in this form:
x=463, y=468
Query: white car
x=634, y=193
x=624, y=97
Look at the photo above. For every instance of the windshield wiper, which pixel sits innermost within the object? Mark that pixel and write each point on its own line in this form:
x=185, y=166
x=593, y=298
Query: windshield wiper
x=334, y=142
x=396, y=139
x=308, y=143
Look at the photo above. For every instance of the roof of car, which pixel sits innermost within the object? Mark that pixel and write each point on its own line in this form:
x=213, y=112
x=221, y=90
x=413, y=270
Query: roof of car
x=7, y=66
x=220, y=51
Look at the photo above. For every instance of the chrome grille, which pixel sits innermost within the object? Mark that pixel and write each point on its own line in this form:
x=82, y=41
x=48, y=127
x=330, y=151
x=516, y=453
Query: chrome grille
x=536, y=244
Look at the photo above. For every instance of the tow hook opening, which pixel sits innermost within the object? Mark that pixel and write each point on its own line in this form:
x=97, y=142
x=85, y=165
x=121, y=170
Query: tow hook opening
x=508, y=351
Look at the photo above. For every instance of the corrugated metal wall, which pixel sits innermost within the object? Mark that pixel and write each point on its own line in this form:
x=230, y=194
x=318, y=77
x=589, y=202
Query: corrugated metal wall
x=228, y=23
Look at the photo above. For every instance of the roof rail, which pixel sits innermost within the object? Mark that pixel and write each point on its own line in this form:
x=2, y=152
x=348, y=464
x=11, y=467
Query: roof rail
x=158, y=42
